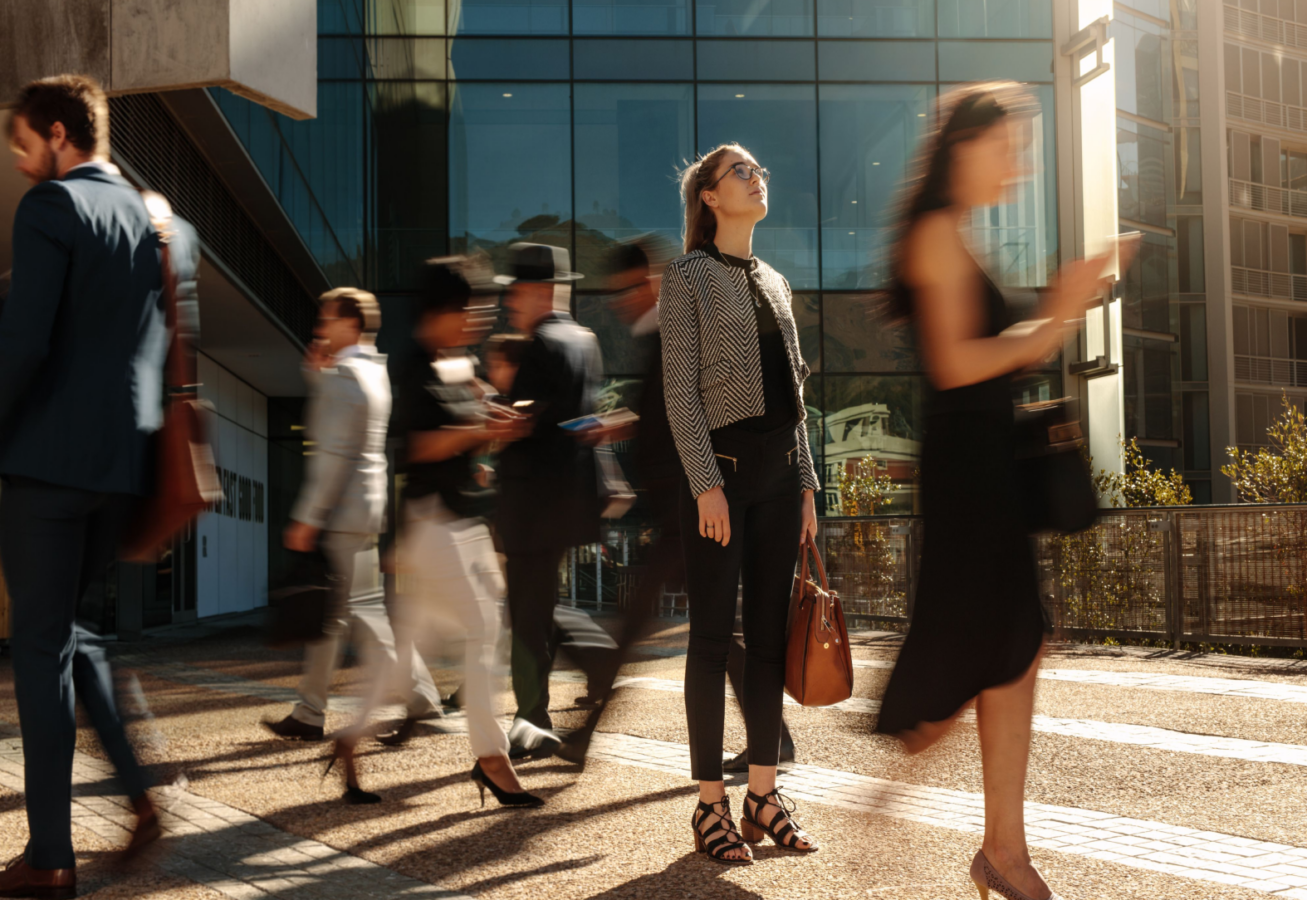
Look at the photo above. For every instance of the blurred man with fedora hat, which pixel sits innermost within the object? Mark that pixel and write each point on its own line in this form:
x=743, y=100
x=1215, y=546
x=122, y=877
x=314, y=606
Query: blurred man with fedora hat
x=548, y=495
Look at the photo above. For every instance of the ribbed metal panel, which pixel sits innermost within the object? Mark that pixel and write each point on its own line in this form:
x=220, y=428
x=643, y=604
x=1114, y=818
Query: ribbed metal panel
x=150, y=141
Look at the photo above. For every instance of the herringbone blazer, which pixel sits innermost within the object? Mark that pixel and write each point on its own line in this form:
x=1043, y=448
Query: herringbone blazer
x=712, y=369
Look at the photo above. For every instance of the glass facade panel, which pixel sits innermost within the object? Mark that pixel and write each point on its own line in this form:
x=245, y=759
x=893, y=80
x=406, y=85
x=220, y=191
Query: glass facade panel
x=1018, y=238
x=807, y=317
x=508, y=17
x=757, y=61
x=411, y=192
x=990, y=60
x=340, y=17
x=478, y=58
x=877, y=418
x=781, y=18
x=868, y=136
x=420, y=59
x=1186, y=78
x=618, y=60
x=510, y=166
x=1146, y=289
x=1188, y=166
x=876, y=18
x=343, y=57
x=749, y=113
x=406, y=17
x=630, y=139
x=876, y=60
x=1143, y=80
x=995, y=18
x=631, y=17
x=857, y=337
x=1141, y=166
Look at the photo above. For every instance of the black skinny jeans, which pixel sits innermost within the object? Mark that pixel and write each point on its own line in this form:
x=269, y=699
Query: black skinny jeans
x=765, y=497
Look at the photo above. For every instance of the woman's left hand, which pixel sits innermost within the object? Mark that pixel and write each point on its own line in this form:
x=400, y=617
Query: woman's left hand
x=809, y=518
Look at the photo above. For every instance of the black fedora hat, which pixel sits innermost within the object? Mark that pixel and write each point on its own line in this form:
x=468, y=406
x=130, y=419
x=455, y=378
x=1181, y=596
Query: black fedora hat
x=539, y=263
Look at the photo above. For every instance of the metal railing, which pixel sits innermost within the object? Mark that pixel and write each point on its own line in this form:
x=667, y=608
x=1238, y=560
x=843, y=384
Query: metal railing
x=1265, y=112
x=1200, y=574
x=1265, y=370
x=1263, y=283
x=1249, y=24
x=1266, y=198
x=1210, y=574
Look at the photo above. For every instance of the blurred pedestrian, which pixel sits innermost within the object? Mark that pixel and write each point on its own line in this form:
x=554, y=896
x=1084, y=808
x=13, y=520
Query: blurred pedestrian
x=548, y=489
x=450, y=572
x=341, y=508
x=734, y=381
x=635, y=302
x=977, y=625
x=83, y=339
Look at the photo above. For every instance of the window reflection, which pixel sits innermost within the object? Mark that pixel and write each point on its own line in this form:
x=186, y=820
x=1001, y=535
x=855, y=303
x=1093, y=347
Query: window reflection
x=406, y=16
x=1143, y=60
x=1141, y=165
x=631, y=17
x=1018, y=238
x=509, y=166
x=508, y=17
x=411, y=191
x=869, y=134
x=630, y=138
x=876, y=18
x=807, y=318
x=872, y=418
x=787, y=18
x=858, y=337
x=1145, y=291
x=750, y=113
x=995, y=18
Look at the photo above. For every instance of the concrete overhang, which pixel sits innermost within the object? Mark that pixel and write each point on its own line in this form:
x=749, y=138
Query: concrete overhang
x=264, y=51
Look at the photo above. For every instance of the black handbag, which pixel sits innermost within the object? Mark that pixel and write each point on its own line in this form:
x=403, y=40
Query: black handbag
x=1057, y=489
x=298, y=604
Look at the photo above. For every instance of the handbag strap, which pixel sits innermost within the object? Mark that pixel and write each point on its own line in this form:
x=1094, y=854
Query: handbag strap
x=180, y=373
x=810, y=549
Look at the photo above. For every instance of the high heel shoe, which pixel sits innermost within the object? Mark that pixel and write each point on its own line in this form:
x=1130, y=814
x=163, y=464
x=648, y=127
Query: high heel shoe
x=727, y=837
x=505, y=798
x=343, y=750
x=986, y=879
x=781, y=827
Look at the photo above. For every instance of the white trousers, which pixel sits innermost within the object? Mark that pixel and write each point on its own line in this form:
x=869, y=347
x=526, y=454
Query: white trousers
x=451, y=586
x=359, y=615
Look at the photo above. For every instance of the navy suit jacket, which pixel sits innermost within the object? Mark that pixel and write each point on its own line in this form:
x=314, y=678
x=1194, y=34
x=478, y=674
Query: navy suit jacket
x=83, y=336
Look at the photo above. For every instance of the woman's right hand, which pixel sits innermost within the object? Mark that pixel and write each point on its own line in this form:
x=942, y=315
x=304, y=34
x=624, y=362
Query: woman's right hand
x=1079, y=283
x=715, y=516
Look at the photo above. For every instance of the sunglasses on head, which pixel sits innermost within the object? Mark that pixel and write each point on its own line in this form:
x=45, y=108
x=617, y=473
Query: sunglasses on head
x=744, y=172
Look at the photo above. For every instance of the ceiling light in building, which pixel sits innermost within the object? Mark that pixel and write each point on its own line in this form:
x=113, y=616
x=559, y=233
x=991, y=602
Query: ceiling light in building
x=855, y=202
x=921, y=115
x=852, y=232
x=875, y=164
x=739, y=96
x=508, y=95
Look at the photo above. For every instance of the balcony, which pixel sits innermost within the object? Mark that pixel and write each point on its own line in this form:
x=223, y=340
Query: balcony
x=1264, y=370
x=1248, y=24
x=1266, y=198
x=1266, y=112
x=1261, y=283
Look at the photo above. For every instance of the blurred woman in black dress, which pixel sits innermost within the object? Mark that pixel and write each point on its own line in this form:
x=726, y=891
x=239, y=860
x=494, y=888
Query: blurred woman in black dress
x=978, y=626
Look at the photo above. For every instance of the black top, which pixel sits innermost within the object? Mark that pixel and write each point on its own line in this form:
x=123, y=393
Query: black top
x=429, y=396
x=994, y=395
x=777, y=379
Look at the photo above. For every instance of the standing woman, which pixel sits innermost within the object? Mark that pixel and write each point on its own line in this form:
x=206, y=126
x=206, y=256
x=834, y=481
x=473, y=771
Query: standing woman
x=977, y=626
x=734, y=383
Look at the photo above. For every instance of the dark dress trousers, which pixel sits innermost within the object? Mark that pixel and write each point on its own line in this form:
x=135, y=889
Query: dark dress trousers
x=82, y=345
x=549, y=502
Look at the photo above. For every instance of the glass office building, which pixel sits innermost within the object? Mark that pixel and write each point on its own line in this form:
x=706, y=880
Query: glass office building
x=457, y=126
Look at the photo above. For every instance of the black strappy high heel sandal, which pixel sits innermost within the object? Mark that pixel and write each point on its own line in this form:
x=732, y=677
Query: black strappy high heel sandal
x=343, y=750
x=781, y=827
x=727, y=837
x=505, y=798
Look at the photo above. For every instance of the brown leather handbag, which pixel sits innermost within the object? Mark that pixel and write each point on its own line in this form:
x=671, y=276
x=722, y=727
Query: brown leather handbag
x=818, y=664
x=186, y=480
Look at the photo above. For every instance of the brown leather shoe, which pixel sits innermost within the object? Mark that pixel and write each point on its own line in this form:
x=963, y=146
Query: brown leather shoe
x=21, y=880
x=146, y=832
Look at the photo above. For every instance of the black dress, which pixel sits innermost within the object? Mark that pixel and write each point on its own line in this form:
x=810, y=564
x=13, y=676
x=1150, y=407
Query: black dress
x=977, y=622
